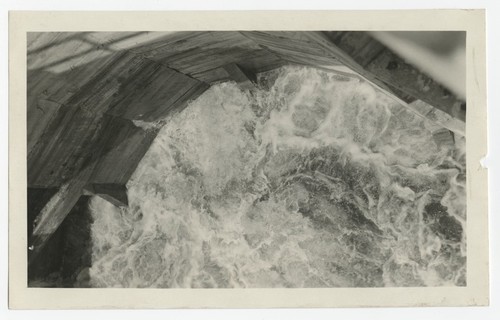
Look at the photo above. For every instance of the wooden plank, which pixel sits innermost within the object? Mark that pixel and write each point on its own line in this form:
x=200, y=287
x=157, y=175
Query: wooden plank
x=293, y=46
x=442, y=119
x=106, y=164
x=244, y=78
x=191, y=94
x=95, y=96
x=400, y=94
x=289, y=41
x=151, y=93
x=54, y=213
x=61, y=261
x=259, y=61
x=115, y=194
x=47, y=92
x=212, y=76
x=171, y=43
x=202, y=59
x=63, y=149
x=37, y=199
x=48, y=47
x=256, y=62
x=352, y=49
x=39, y=115
x=185, y=41
x=121, y=154
x=60, y=87
x=359, y=45
x=69, y=141
x=63, y=52
x=198, y=53
x=296, y=57
x=390, y=68
x=191, y=53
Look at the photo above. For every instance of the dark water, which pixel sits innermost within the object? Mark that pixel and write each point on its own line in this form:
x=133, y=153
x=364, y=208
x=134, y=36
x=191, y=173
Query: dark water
x=311, y=181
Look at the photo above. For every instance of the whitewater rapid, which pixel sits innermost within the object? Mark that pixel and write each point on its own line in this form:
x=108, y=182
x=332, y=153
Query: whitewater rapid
x=311, y=180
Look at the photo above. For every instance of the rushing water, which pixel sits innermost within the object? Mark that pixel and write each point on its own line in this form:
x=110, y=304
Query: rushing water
x=313, y=180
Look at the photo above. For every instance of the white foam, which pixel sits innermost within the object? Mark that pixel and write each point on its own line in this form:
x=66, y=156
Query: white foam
x=214, y=202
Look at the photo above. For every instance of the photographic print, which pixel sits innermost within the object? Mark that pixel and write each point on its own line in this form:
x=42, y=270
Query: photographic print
x=246, y=159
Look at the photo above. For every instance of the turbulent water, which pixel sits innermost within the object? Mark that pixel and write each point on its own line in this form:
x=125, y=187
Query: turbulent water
x=313, y=180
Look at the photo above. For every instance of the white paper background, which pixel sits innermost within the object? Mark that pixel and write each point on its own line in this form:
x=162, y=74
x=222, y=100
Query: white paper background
x=492, y=161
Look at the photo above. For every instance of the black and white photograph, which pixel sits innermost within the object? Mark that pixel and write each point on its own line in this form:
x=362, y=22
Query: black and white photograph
x=252, y=158
x=226, y=159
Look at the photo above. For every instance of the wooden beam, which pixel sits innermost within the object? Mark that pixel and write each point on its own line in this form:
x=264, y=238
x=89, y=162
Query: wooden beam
x=379, y=64
x=293, y=47
x=244, y=78
x=37, y=199
x=153, y=92
x=90, y=139
x=112, y=192
x=54, y=213
x=67, y=254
